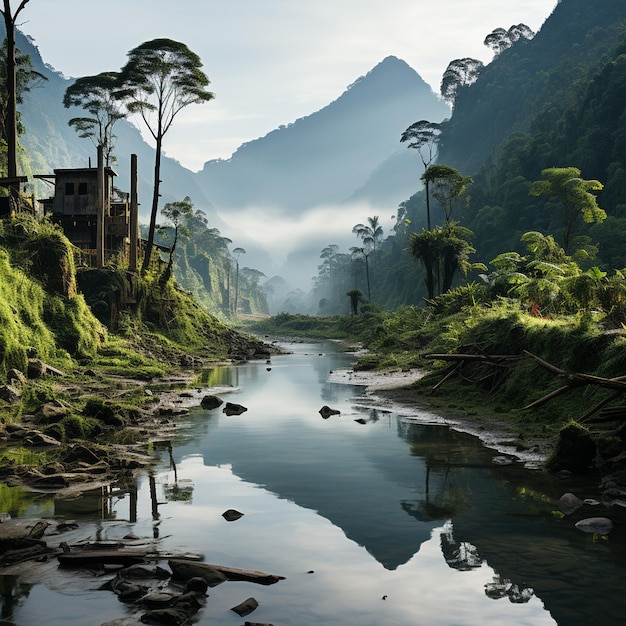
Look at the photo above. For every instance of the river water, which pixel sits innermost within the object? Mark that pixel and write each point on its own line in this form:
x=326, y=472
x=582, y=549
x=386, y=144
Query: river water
x=375, y=517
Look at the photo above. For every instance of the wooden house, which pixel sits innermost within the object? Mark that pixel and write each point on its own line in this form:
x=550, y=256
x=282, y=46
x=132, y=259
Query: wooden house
x=75, y=204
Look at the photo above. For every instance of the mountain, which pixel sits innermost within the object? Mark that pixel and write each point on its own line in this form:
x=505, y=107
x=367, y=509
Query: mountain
x=346, y=154
x=550, y=71
x=336, y=154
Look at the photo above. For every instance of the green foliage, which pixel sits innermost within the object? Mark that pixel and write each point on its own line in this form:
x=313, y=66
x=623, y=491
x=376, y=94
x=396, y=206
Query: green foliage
x=22, y=328
x=573, y=194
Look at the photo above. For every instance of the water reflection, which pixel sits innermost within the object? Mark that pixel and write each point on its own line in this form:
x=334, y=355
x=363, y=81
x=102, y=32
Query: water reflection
x=399, y=522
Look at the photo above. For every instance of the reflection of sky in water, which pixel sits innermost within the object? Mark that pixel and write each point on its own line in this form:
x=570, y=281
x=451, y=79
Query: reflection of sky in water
x=347, y=586
x=366, y=506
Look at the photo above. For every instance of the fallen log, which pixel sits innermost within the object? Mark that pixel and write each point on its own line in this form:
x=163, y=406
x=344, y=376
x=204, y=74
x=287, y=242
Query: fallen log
x=185, y=570
x=99, y=558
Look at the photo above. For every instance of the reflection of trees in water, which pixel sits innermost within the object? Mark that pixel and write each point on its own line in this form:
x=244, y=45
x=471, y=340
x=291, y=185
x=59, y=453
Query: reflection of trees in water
x=503, y=588
x=459, y=555
x=447, y=501
x=11, y=592
x=464, y=556
x=180, y=491
x=371, y=416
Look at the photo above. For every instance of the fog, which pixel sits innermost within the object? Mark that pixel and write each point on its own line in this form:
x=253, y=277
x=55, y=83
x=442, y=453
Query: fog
x=289, y=246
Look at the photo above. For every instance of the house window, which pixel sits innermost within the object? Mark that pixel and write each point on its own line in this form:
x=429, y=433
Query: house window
x=82, y=189
x=69, y=189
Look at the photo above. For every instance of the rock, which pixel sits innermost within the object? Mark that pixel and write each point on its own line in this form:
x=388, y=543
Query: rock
x=51, y=412
x=211, y=402
x=36, y=368
x=157, y=600
x=246, y=607
x=196, y=584
x=231, y=408
x=35, y=439
x=15, y=377
x=10, y=393
x=231, y=515
x=575, y=450
x=171, y=616
x=502, y=460
x=595, y=525
x=326, y=412
x=568, y=503
x=80, y=453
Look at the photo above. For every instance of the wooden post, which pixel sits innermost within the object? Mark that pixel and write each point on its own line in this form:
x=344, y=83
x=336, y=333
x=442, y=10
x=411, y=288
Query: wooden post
x=101, y=212
x=134, y=214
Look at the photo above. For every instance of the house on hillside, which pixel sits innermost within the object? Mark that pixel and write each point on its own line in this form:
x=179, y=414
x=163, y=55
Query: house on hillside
x=75, y=204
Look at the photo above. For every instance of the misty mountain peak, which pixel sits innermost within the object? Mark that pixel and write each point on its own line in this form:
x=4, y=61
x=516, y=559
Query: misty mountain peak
x=391, y=73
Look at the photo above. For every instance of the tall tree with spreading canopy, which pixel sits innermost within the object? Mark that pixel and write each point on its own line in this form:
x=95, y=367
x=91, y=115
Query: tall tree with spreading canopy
x=574, y=195
x=160, y=78
x=500, y=39
x=98, y=96
x=11, y=76
x=448, y=186
x=423, y=136
x=459, y=73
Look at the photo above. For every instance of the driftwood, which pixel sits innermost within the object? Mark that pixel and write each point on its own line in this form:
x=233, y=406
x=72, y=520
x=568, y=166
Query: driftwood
x=90, y=558
x=502, y=362
x=214, y=574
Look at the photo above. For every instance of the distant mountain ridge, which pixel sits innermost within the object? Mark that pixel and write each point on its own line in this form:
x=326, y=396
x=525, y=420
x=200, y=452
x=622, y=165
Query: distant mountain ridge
x=327, y=157
x=334, y=154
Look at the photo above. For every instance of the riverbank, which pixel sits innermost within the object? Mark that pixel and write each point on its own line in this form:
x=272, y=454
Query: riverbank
x=397, y=390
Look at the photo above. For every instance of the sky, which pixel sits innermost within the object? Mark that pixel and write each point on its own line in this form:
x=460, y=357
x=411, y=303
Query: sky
x=269, y=62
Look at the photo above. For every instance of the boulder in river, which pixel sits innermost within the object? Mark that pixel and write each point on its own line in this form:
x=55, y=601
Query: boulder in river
x=232, y=515
x=568, y=503
x=595, y=525
x=211, y=402
x=326, y=412
x=246, y=607
x=231, y=408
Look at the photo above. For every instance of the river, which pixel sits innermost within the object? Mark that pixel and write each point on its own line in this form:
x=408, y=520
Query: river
x=375, y=517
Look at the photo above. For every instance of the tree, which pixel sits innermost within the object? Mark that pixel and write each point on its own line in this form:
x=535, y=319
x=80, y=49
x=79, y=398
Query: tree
x=177, y=213
x=573, y=194
x=355, y=297
x=500, y=39
x=10, y=124
x=370, y=233
x=326, y=269
x=448, y=186
x=98, y=96
x=237, y=252
x=364, y=253
x=443, y=251
x=424, y=137
x=160, y=78
x=25, y=79
x=459, y=73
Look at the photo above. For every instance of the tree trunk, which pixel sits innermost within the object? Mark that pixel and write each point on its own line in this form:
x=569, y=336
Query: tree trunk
x=155, y=204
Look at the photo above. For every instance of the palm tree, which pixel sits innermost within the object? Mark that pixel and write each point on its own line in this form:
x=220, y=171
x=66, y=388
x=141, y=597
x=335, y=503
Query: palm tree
x=371, y=233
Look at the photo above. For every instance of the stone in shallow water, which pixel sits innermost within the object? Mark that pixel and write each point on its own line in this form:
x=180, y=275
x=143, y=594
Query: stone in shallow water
x=246, y=607
x=231, y=515
x=596, y=525
x=568, y=503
